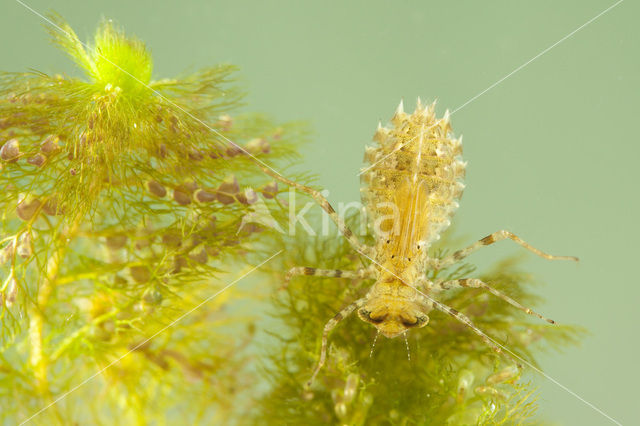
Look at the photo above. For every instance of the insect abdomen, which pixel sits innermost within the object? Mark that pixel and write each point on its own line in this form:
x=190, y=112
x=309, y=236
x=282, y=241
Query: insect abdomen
x=418, y=155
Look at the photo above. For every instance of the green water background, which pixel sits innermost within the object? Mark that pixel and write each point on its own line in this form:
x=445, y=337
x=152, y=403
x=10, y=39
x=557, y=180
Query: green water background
x=552, y=149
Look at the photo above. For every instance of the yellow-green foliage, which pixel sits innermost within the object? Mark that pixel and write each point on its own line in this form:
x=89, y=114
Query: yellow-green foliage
x=121, y=207
x=114, y=59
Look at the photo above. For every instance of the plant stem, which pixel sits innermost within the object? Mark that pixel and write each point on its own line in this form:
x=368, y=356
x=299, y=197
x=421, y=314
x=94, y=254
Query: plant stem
x=36, y=321
x=36, y=313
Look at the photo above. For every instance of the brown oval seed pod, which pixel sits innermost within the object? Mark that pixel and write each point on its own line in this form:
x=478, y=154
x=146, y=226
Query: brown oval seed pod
x=115, y=242
x=140, y=274
x=37, y=160
x=52, y=208
x=203, y=196
x=26, y=210
x=10, y=151
x=50, y=145
x=155, y=188
x=200, y=257
x=270, y=190
x=181, y=197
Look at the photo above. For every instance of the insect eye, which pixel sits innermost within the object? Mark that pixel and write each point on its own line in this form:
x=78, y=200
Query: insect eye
x=366, y=315
x=376, y=320
x=422, y=320
x=409, y=323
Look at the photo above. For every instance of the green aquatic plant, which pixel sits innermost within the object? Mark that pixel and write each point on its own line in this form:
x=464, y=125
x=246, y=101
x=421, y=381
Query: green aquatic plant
x=122, y=204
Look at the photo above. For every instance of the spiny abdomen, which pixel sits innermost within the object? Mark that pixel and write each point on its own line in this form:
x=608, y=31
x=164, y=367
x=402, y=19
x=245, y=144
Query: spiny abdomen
x=415, y=165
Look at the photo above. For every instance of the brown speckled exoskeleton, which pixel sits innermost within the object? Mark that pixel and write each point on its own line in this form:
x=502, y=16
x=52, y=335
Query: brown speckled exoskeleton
x=410, y=189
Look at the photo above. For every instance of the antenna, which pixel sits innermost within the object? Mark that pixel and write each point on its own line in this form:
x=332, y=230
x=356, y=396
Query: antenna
x=406, y=343
x=375, y=339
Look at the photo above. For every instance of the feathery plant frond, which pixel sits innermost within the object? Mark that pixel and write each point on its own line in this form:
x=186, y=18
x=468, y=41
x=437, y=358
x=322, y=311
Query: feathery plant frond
x=122, y=210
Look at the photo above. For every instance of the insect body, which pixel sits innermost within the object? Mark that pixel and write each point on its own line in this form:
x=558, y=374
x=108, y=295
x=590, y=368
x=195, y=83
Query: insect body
x=410, y=190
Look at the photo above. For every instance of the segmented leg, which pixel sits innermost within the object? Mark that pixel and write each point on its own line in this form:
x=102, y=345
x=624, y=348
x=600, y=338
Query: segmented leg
x=344, y=229
x=475, y=283
x=494, y=238
x=345, y=312
x=422, y=284
x=465, y=320
x=333, y=273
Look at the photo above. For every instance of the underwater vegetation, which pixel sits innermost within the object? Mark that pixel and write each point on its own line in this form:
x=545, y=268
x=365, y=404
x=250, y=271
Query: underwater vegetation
x=122, y=203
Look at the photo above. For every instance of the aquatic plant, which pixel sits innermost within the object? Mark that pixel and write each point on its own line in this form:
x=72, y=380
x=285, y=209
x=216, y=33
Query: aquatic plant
x=121, y=201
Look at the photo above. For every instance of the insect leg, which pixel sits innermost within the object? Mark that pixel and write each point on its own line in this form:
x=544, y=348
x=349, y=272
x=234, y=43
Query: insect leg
x=475, y=283
x=333, y=273
x=494, y=238
x=330, y=325
x=466, y=321
x=344, y=229
x=422, y=284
